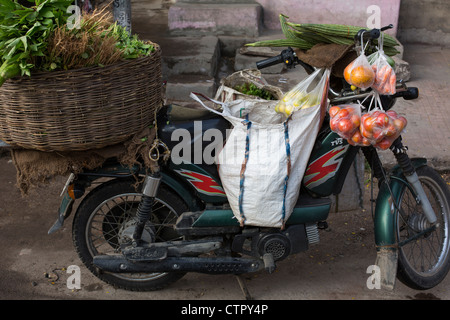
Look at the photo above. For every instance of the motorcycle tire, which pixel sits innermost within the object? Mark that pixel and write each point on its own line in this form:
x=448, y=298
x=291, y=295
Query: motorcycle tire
x=425, y=261
x=101, y=219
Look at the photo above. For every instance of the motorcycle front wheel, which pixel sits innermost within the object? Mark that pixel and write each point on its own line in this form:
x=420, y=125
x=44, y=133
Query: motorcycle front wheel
x=104, y=221
x=424, y=251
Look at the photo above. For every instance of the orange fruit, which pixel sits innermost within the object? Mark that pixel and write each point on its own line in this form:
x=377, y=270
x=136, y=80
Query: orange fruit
x=347, y=71
x=362, y=77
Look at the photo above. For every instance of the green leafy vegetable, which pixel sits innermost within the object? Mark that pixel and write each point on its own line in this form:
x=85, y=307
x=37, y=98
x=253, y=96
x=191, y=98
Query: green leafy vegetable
x=24, y=32
x=253, y=90
x=39, y=38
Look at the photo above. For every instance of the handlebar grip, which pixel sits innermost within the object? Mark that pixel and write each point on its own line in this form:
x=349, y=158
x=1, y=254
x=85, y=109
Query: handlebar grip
x=269, y=62
x=410, y=94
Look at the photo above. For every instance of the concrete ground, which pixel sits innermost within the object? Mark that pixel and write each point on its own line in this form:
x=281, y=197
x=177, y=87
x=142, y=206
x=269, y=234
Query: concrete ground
x=33, y=263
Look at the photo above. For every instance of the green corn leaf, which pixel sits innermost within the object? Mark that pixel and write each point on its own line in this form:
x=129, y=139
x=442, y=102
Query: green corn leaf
x=25, y=42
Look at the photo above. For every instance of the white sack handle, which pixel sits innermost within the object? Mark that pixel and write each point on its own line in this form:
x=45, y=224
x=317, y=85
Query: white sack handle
x=195, y=96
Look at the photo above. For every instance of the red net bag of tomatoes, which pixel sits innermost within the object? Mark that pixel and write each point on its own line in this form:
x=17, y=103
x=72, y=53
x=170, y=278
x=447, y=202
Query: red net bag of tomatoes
x=345, y=119
x=381, y=127
x=376, y=127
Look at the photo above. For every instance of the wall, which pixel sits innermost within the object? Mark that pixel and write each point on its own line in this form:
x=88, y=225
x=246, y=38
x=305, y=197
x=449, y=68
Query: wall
x=350, y=12
x=425, y=21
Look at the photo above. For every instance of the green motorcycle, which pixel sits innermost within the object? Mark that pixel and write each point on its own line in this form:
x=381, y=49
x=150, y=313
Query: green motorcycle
x=178, y=220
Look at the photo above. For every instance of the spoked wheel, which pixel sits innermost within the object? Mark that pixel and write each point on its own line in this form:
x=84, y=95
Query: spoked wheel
x=105, y=220
x=424, y=250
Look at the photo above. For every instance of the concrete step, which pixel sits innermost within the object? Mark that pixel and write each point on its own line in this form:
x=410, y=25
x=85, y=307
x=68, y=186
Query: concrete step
x=190, y=55
x=179, y=87
x=237, y=18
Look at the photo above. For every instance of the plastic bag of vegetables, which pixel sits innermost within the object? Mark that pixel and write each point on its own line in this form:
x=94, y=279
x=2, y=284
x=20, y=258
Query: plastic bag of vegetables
x=385, y=77
x=307, y=93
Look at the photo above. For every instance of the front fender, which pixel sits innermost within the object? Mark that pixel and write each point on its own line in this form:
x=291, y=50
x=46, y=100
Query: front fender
x=65, y=208
x=385, y=213
x=385, y=224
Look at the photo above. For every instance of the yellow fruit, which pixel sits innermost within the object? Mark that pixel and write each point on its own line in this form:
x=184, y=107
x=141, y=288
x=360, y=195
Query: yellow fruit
x=288, y=110
x=281, y=107
x=288, y=96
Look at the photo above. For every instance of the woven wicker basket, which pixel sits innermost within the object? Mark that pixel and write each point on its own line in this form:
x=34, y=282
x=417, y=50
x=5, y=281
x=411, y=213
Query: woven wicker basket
x=81, y=109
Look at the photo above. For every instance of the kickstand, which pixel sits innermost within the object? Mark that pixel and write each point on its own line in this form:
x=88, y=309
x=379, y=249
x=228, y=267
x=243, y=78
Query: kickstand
x=243, y=287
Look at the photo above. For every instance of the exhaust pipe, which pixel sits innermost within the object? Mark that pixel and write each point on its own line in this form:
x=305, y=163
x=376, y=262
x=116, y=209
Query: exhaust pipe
x=220, y=265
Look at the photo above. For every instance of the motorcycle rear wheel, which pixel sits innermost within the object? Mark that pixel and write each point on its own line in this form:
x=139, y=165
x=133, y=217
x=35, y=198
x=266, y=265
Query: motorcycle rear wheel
x=424, y=261
x=100, y=221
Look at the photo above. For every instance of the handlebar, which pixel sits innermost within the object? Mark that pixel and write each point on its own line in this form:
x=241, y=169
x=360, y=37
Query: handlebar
x=269, y=62
x=371, y=34
x=288, y=57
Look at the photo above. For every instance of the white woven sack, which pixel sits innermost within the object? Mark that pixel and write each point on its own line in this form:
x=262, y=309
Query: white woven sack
x=262, y=183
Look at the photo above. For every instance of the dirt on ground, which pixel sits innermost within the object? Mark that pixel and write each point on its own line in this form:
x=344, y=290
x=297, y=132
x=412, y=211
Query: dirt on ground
x=34, y=264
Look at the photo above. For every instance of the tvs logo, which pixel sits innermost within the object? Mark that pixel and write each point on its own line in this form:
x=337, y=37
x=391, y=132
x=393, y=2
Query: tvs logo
x=324, y=168
x=203, y=183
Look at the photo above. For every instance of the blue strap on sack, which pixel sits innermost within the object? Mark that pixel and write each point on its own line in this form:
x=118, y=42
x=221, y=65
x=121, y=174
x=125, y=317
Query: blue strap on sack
x=243, y=167
x=286, y=179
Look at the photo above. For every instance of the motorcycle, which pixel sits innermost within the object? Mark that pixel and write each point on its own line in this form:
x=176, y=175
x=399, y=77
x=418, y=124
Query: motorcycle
x=147, y=235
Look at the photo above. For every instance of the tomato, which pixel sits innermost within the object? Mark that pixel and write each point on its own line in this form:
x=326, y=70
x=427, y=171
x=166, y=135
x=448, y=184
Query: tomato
x=345, y=126
x=392, y=114
x=365, y=142
x=334, y=124
x=368, y=123
x=356, y=120
x=357, y=137
x=365, y=133
x=378, y=135
x=400, y=123
x=333, y=111
x=382, y=120
x=383, y=144
x=391, y=130
x=343, y=113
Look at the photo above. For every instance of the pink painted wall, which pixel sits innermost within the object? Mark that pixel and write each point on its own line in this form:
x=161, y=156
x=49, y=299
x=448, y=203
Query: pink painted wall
x=350, y=12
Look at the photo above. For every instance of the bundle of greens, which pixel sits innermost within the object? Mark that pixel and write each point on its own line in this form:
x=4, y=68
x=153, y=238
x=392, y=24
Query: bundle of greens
x=98, y=41
x=306, y=35
x=42, y=38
